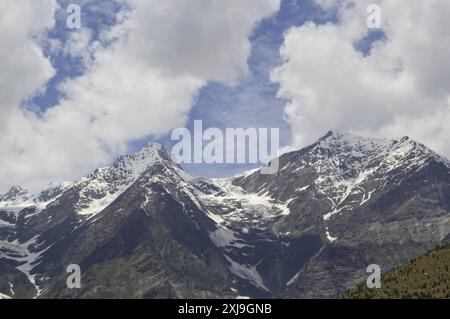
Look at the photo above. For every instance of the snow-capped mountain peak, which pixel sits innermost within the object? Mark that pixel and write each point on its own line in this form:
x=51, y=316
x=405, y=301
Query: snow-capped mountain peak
x=98, y=189
x=18, y=198
x=14, y=196
x=348, y=171
x=351, y=168
x=136, y=162
x=361, y=152
x=51, y=192
x=104, y=185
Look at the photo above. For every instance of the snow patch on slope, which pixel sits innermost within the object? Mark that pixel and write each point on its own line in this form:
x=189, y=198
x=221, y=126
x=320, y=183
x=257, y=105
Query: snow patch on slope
x=2, y=296
x=329, y=237
x=40, y=201
x=247, y=203
x=246, y=272
x=27, y=254
x=346, y=165
x=224, y=237
x=293, y=279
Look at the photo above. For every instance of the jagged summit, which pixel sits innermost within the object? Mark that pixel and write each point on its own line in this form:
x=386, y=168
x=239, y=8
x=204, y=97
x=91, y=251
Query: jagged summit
x=348, y=170
x=356, y=146
x=147, y=155
x=346, y=135
x=15, y=191
x=15, y=194
x=52, y=191
x=130, y=166
x=337, y=146
x=149, y=150
x=19, y=197
x=104, y=185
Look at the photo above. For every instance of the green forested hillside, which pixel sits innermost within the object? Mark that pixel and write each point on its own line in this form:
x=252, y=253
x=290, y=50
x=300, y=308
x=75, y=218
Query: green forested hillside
x=427, y=276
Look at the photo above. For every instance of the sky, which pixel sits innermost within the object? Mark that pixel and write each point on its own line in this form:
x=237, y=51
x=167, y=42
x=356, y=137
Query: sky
x=72, y=100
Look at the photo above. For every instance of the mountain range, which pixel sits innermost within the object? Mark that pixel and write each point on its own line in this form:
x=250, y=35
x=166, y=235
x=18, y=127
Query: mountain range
x=145, y=228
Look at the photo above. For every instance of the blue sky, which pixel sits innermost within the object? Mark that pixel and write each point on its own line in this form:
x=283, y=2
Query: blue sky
x=96, y=16
x=253, y=101
x=249, y=102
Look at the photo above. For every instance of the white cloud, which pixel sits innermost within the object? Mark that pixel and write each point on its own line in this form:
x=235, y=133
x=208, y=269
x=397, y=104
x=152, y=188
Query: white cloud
x=80, y=45
x=143, y=84
x=401, y=88
x=207, y=39
x=24, y=69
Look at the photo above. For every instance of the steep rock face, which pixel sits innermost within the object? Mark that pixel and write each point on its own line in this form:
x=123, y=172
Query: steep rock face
x=153, y=243
x=261, y=259
x=136, y=230
x=370, y=201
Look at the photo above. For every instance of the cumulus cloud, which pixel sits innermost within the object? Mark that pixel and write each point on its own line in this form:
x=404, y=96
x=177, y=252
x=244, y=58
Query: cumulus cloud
x=80, y=45
x=24, y=69
x=401, y=87
x=144, y=83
